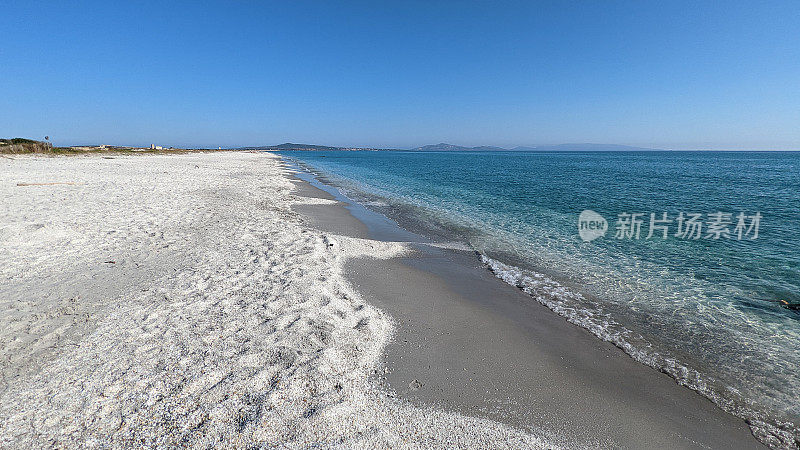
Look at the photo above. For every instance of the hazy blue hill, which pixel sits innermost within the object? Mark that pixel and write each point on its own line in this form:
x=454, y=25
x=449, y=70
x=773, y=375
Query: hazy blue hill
x=487, y=148
x=443, y=147
x=582, y=148
x=290, y=146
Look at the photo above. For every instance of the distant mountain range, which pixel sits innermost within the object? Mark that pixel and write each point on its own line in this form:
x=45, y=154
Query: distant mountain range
x=308, y=147
x=456, y=148
x=540, y=148
x=443, y=147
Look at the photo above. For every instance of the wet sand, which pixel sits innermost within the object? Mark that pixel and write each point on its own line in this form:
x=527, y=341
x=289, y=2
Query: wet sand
x=465, y=341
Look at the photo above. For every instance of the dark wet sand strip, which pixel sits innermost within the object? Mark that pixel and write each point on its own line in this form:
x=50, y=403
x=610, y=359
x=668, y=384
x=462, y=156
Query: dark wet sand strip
x=468, y=342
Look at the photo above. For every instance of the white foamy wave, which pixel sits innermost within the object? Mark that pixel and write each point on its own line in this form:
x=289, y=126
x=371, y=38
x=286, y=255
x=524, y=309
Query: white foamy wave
x=583, y=312
x=375, y=204
x=453, y=245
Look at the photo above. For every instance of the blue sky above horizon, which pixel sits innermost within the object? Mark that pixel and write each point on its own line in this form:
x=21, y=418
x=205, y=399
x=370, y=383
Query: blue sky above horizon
x=682, y=75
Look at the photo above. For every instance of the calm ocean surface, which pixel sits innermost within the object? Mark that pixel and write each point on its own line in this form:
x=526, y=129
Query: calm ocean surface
x=707, y=311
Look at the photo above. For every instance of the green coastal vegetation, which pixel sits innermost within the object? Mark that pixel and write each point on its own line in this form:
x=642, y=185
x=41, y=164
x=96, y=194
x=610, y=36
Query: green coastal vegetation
x=30, y=146
x=21, y=145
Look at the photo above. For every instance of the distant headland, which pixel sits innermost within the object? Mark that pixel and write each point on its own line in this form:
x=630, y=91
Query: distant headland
x=444, y=147
x=22, y=145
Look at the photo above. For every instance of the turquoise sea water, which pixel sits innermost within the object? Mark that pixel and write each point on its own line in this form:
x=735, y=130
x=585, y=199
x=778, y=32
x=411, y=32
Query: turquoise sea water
x=710, y=312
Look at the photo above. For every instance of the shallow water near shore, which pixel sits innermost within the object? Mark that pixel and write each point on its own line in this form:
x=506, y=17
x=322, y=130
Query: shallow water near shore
x=705, y=311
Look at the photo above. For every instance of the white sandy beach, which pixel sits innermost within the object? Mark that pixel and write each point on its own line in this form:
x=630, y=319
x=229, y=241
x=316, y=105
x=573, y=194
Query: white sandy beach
x=178, y=300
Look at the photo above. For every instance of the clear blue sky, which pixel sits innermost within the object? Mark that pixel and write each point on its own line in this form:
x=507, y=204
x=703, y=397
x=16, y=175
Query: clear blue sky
x=699, y=74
